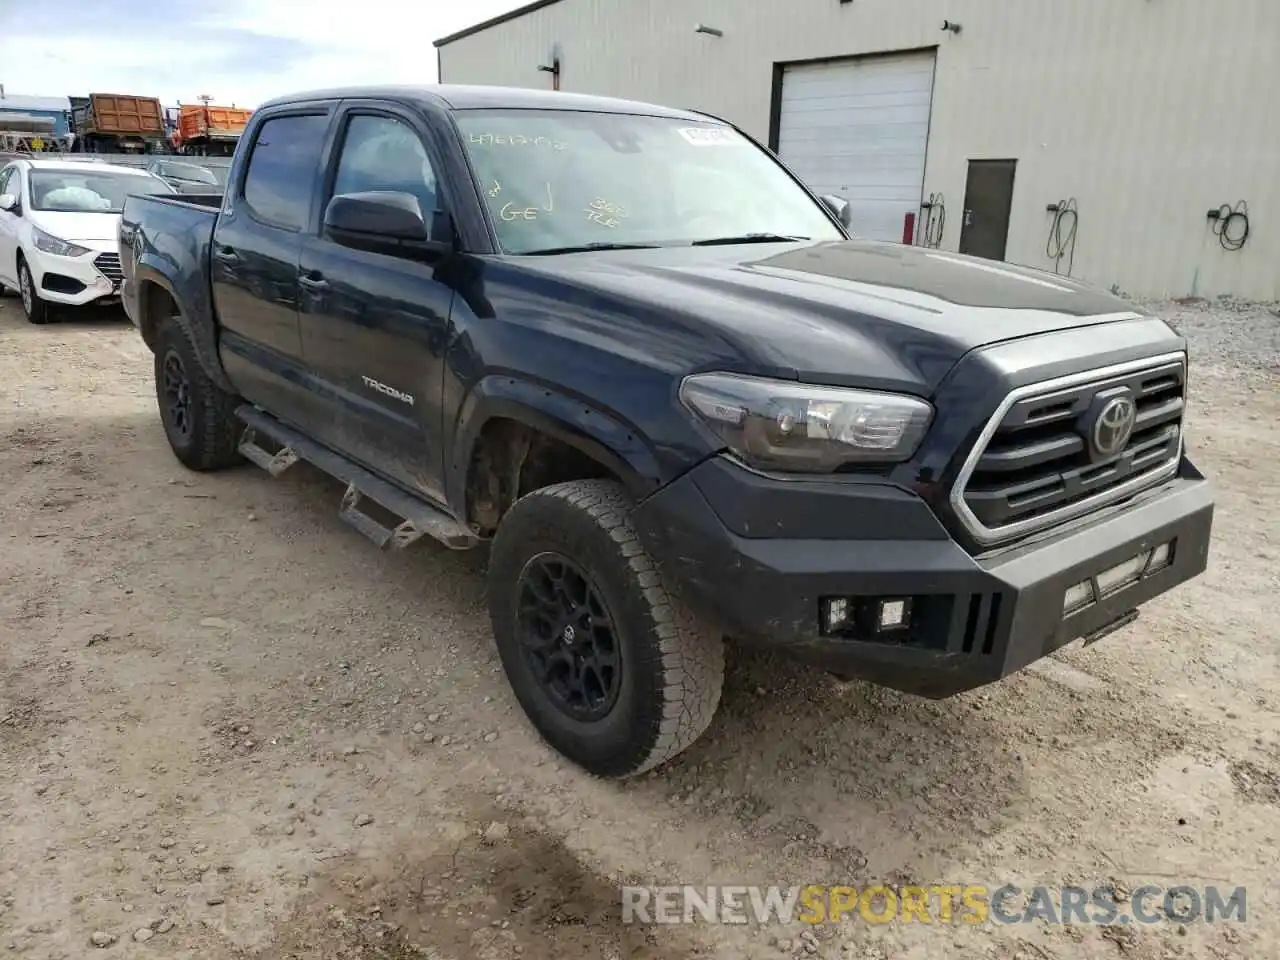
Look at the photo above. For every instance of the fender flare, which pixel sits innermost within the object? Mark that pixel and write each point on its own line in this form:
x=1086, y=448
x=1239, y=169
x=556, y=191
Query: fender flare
x=601, y=436
x=147, y=276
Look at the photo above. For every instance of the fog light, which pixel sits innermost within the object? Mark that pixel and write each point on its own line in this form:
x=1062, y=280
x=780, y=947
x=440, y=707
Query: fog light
x=1122, y=574
x=1161, y=556
x=1077, y=597
x=894, y=614
x=837, y=614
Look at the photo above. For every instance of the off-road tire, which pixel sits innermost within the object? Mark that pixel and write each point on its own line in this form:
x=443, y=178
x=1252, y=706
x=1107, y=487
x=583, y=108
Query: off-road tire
x=212, y=438
x=672, y=663
x=38, y=312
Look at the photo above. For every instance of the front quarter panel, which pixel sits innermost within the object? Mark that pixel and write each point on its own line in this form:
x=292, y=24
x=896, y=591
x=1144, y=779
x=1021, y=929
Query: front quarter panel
x=603, y=371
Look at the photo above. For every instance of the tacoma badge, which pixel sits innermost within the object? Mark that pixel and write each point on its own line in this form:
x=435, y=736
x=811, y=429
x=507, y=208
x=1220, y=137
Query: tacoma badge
x=389, y=391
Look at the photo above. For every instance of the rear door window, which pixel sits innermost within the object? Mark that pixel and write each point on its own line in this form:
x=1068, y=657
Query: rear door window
x=282, y=169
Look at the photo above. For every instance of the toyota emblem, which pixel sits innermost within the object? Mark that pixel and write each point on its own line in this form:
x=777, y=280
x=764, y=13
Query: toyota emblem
x=1114, y=425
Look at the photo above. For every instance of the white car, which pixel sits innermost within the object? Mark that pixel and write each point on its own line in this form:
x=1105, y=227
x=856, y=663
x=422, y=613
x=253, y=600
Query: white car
x=58, y=223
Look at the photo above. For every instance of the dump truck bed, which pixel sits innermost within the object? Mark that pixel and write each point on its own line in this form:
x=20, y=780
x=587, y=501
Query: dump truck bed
x=120, y=115
x=214, y=123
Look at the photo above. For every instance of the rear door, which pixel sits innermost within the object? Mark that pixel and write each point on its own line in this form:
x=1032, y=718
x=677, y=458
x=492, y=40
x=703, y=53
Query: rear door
x=375, y=325
x=254, y=260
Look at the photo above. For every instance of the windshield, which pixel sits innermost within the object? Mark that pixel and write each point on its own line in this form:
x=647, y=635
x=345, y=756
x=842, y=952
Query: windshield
x=557, y=179
x=88, y=191
x=186, y=171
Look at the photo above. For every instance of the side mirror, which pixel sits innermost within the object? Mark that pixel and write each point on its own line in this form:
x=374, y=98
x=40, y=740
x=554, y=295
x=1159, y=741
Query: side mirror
x=839, y=206
x=380, y=218
x=8, y=201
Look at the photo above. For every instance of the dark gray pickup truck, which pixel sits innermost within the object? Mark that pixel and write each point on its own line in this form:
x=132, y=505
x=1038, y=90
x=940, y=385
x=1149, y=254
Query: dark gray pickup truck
x=625, y=347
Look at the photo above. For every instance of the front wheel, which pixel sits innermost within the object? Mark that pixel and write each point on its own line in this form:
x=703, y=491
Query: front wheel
x=604, y=656
x=37, y=310
x=199, y=417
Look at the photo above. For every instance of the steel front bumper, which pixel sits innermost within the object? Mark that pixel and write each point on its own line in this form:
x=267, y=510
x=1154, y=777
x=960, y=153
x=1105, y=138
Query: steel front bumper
x=764, y=557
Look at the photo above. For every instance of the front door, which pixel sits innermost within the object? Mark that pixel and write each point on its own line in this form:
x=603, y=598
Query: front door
x=374, y=325
x=988, y=199
x=11, y=184
x=254, y=261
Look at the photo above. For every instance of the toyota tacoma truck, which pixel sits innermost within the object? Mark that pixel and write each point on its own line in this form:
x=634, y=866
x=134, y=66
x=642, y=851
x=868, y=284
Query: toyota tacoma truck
x=626, y=349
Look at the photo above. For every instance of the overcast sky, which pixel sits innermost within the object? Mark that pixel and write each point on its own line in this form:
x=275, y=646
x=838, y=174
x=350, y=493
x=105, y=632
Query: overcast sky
x=241, y=51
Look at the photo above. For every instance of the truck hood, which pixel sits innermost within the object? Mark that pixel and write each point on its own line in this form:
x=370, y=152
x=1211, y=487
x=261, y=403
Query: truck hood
x=845, y=311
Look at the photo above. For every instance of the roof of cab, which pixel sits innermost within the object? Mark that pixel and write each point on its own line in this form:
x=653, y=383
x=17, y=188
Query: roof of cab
x=468, y=97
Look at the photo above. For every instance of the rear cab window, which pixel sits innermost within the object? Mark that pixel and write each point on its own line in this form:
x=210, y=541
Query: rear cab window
x=283, y=168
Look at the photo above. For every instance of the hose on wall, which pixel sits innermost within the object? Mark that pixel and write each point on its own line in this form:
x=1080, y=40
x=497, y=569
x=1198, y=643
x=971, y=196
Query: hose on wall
x=934, y=221
x=1231, y=225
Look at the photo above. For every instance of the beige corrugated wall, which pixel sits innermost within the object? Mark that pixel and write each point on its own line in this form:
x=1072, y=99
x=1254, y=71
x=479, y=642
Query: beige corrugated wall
x=1148, y=112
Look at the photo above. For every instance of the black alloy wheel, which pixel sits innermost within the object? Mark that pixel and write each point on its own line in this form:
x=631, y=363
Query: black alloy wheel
x=176, y=390
x=612, y=667
x=199, y=417
x=568, y=637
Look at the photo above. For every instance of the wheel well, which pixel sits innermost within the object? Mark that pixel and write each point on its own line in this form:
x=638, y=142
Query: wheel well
x=154, y=306
x=511, y=459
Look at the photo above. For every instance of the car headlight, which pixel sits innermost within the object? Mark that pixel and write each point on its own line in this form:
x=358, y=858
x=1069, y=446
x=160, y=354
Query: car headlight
x=59, y=248
x=793, y=426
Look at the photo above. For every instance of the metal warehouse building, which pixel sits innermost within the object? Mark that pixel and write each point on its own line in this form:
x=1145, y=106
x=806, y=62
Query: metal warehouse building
x=1134, y=118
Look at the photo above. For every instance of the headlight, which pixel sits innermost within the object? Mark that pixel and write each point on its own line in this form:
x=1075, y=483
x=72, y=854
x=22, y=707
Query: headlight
x=797, y=427
x=59, y=248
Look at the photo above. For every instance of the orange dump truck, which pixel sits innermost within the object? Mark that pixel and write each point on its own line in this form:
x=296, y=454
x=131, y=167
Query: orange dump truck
x=206, y=130
x=112, y=122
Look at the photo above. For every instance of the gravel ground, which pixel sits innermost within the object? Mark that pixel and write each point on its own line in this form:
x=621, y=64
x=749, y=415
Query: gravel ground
x=1238, y=334
x=229, y=728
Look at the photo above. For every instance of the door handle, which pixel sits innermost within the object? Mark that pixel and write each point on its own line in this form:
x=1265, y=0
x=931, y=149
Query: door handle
x=313, y=282
x=968, y=217
x=226, y=254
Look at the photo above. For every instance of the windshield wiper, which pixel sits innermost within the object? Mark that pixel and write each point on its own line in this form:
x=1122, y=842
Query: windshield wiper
x=585, y=247
x=747, y=238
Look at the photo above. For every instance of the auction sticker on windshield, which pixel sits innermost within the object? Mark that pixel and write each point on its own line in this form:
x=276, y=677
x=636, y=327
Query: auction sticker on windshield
x=707, y=136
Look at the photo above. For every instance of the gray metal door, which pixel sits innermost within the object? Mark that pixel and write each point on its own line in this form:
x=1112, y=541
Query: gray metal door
x=988, y=198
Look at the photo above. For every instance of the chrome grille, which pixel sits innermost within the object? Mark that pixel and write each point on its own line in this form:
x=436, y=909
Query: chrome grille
x=108, y=265
x=1035, y=465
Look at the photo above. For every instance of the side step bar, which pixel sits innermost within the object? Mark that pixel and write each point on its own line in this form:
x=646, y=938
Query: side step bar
x=419, y=517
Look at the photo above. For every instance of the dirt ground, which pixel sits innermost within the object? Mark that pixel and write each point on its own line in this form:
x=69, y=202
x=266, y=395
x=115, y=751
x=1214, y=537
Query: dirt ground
x=231, y=726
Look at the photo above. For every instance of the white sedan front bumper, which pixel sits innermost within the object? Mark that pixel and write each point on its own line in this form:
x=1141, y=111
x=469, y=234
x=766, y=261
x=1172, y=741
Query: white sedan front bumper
x=76, y=281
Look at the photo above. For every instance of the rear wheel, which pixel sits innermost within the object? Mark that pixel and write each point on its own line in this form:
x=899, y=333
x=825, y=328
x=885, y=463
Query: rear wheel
x=199, y=417
x=37, y=310
x=605, y=658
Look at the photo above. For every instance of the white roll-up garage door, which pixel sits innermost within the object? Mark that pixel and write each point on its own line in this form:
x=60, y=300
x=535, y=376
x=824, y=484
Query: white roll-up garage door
x=859, y=128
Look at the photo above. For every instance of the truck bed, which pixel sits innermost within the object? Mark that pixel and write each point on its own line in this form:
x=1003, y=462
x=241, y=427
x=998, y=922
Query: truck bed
x=179, y=210
x=203, y=199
